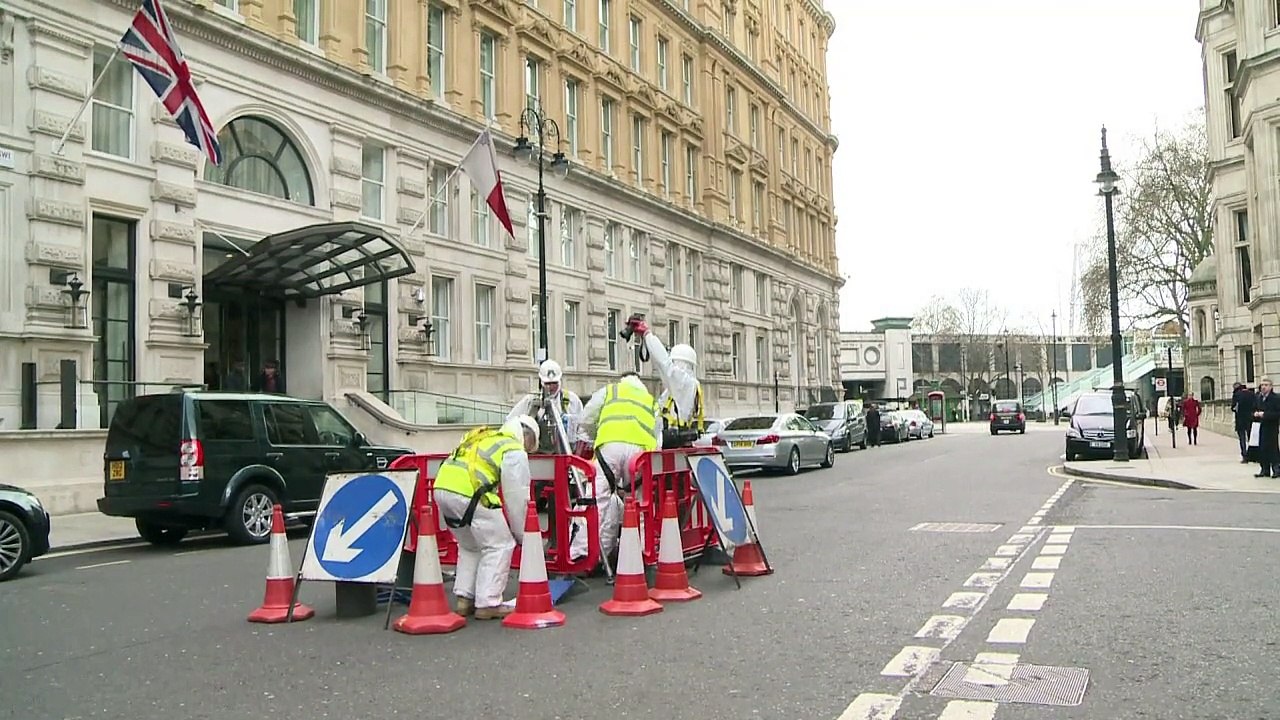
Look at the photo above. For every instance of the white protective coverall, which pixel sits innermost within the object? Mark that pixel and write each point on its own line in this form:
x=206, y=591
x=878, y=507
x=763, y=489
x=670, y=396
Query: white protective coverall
x=679, y=380
x=619, y=457
x=572, y=417
x=485, y=548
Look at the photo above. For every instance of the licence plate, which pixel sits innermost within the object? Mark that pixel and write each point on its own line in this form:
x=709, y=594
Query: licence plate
x=742, y=443
x=117, y=470
x=1099, y=444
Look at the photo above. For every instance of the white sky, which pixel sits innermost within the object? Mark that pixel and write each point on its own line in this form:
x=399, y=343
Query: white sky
x=969, y=138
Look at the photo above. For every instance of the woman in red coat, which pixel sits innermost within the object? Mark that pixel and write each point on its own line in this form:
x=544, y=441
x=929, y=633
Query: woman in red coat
x=1191, y=417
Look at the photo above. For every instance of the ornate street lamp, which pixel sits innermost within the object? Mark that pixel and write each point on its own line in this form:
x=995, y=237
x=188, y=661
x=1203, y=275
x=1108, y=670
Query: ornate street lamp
x=191, y=304
x=1054, y=379
x=77, y=316
x=1107, y=179
x=541, y=129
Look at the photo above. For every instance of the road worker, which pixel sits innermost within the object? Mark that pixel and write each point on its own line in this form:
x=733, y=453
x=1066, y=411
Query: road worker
x=466, y=491
x=551, y=376
x=623, y=418
x=681, y=402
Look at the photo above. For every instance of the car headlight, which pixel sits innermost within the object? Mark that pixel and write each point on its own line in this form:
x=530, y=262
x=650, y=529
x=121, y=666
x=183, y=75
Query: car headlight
x=1073, y=433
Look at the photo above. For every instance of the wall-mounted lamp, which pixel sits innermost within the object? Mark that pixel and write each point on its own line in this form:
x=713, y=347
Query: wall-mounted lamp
x=427, y=331
x=361, y=321
x=191, y=304
x=77, y=313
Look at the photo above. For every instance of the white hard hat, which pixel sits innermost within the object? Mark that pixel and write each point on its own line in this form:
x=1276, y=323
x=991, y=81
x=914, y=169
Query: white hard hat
x=529, y=425
x=684, y=353
x=634, y=381
x=549, y=372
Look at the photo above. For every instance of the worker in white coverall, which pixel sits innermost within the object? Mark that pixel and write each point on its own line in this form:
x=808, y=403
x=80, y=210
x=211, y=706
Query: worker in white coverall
x=617, y=443
x=681, y=403
x=570, y=409
x=466, y=491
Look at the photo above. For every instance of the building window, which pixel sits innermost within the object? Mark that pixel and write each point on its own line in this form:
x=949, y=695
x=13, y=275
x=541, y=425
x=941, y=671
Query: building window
x=258, y=157
x=735, y=192
x=571, y=115
x=532, y=82
x=757, y=206
x=435, y=49
x=606, y=14
x=762, y=293
x=633, y=31
x=535, y=333
x=694, y=336
x=664, y=176
x=610, y=249
x=441, y=305
x=753, y=122
x=731, y=109
x=1231, y=67
x=378, y=366
x=670, y=285
x=112, y=114
x=606, y=133
x=571, y=14
x=673, y=332
x=612, y=321
x=753, y=44
x=114, y=308
x=481, y=219
x=570, y=333
x=439, y=200
x=484, y=322
x=762, y=358
x=795, y=158
x=568, y=233
x=686, y=79
x=1244, y=265
x=691, y=173
x=532, y=229
x=736, y=355
x=675, y=254
x=372, y=181
x=690, y=273
x=782, y=146
x=375, y=34
x=664, y=50
x=306, y=17
x=735, y=284
x=1246, y=364
x=488, y=75
x=634, y=264
x=637, y=148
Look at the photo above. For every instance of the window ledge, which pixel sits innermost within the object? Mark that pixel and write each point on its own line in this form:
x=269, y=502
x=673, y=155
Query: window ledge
x=106, y=161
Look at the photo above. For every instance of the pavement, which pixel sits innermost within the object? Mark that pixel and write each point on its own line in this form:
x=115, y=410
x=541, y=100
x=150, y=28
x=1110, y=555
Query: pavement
x=1213, y=464
x=899, y=568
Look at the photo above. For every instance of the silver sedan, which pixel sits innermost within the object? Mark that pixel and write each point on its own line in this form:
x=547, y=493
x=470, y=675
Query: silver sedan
x=785, y=441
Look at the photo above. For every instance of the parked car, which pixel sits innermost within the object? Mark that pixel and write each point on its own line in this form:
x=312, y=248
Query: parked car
x=1091, y=429
x=712, y=428
x=24, y=529
x=199, y=460
x=1008, y=415
x=919, y=425
x=893, y=427
x=785, y=441
x=843, y=421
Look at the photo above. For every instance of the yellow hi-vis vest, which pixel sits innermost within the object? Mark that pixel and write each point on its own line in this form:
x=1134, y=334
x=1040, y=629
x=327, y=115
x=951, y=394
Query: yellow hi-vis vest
x=627, y=417
x=671, y=416
x=476, y=466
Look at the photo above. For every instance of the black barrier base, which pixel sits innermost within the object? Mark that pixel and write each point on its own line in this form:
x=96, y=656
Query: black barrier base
x=714, y=556
x=355, y=599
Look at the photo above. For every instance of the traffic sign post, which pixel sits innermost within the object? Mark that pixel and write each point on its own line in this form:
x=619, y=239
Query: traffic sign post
x=723, y=501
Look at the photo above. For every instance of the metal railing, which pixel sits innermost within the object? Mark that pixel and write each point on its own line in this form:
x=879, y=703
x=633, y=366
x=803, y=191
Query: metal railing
x=421, y=407
x=75, y=393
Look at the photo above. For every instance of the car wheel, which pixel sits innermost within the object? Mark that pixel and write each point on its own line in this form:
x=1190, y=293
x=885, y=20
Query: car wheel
x=160, y=534
x=831, y=457
x=1022, y=431
x=995, y=432
x=863, y=444
x=15, y=545
x=793, y=462
x=249, y=518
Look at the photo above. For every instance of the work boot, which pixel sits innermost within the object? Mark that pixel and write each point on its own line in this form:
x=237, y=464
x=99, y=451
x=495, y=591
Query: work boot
x=466, y=606
x=494, y=613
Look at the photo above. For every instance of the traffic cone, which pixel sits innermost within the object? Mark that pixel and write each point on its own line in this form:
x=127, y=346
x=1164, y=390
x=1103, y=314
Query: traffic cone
x=630, y=591
x=748, y=561
x=429, y=611
x=671, y=584
x=279, y=594
x=534, y=608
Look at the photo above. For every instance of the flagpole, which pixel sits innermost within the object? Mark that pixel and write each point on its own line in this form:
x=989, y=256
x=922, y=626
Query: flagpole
x=57, y=149
x=445, y=185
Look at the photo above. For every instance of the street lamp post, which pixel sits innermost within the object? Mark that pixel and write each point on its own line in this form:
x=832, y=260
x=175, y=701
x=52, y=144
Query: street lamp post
x=1107, y=179
x=534, y=125
x=1005, y=345
x=1054, y=379
x=1022, y=379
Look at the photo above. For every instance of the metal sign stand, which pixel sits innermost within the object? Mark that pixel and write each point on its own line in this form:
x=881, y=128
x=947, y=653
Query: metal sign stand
x=713, y=533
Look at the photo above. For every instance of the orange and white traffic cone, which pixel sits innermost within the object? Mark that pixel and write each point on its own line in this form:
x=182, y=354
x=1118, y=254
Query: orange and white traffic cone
x=279, y=594
x=748, y=560
x=534, y=608
x=671, y=584
x=429, y=611
x=630, y=590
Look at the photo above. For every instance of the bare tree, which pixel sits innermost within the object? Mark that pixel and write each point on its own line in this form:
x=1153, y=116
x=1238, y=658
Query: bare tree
x=969, y=321
x=1164, y=230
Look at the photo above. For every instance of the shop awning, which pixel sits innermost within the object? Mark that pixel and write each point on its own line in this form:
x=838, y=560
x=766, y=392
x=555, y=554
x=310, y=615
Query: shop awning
x=315, y=260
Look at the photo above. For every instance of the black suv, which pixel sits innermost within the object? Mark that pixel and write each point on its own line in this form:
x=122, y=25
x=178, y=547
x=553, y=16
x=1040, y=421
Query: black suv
x=1008, y=415
x=1091, y=419
x=199, y=460
x=842, y=421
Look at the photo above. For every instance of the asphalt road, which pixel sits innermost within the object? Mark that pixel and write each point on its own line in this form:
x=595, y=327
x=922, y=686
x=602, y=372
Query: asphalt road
x=1170, y=622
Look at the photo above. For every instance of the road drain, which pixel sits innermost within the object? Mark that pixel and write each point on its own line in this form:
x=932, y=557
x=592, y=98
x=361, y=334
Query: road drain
x=1032, y=684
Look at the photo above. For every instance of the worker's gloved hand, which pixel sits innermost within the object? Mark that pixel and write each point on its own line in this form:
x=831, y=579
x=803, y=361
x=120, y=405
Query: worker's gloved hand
x=638, y=325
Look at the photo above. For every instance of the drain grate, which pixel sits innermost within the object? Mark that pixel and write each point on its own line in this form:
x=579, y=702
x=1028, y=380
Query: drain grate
x=1033, y=684
x=953, y=527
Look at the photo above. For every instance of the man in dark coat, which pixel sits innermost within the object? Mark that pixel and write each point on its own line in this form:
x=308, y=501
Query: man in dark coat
x=1242, y=402
x=873, y=426
x=1267, y=411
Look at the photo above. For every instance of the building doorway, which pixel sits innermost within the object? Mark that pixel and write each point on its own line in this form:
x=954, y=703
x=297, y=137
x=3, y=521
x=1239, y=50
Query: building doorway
x=244, y=336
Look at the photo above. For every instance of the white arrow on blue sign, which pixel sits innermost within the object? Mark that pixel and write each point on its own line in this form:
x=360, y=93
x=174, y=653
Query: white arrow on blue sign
x=360, y=527
x=721, y=498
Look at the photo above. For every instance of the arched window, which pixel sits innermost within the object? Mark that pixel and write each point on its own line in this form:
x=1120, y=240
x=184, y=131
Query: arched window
x=1206, y=388
x=1199, y=336
x=1031, y=386
x=259, y=157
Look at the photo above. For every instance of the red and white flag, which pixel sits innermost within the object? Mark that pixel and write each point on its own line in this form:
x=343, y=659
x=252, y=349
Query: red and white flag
x=481, y=166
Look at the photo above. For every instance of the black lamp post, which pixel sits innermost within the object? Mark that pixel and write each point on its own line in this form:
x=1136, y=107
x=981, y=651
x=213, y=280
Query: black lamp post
x=1107, y=179
x=534, y=125
x=1053, y=380
x=1005, y=345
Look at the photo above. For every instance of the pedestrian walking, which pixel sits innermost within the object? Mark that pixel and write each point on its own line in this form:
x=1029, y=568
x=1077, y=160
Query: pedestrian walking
x=1191, y=418
x=873, y=426
x=1242, y=404
x=1266, y=412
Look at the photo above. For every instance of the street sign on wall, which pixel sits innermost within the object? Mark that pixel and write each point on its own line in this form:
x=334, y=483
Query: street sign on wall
x=1162, y=384
x=721, y=498
x=360, y=527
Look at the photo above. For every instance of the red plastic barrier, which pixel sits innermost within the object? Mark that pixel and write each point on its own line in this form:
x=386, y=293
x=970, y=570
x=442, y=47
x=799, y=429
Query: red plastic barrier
x=667, y=472
x=549, y=476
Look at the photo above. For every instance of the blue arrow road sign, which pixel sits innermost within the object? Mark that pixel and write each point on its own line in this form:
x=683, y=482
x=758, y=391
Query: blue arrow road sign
x=721, y=497
x=360, y=529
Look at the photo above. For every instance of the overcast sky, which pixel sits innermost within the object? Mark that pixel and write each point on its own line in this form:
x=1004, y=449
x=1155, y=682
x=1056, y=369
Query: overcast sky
x=969, y=137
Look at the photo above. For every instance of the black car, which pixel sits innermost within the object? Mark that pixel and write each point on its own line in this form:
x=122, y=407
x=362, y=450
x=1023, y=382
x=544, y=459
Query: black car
x=24, y=529
x=1090, y=433
x=893, y=427
x=1008, y=415
x=842, y=421
x=200, y=460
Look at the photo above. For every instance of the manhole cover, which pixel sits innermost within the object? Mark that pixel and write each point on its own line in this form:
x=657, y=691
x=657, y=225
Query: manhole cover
x=951, y=527
x=1033, y=684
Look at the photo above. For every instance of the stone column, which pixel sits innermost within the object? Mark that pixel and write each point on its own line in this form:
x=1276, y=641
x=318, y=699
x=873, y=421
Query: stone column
x=597, y=305
x=330, y=34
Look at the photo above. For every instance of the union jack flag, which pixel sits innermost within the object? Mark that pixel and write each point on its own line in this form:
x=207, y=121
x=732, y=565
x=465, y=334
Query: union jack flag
x=150, y=45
